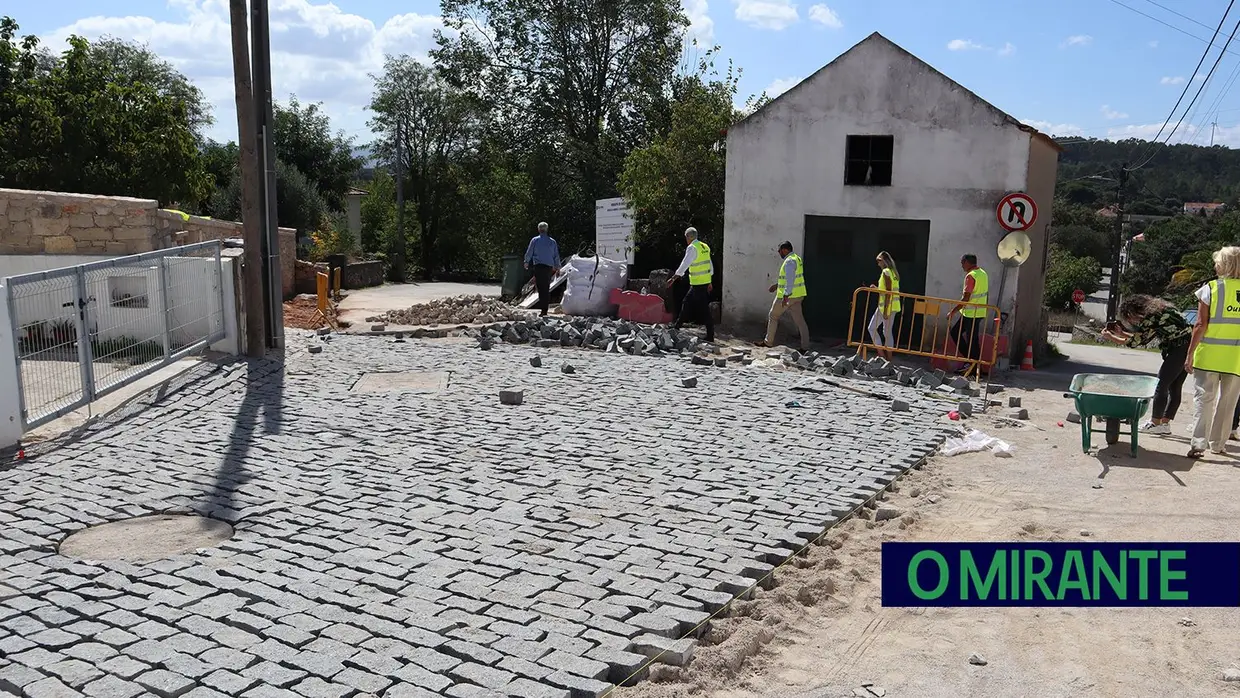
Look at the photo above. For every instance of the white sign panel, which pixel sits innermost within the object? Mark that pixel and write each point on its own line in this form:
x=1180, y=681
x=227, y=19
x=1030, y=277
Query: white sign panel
x=613, y=229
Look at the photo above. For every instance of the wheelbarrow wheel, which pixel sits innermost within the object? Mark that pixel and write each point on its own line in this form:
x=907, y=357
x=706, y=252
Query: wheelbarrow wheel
x=1112, y=431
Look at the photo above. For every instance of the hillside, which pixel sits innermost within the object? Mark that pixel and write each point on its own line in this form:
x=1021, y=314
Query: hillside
x=1176, y=174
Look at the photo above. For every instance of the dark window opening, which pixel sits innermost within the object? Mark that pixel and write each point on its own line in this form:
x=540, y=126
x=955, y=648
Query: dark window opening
x=868, y=161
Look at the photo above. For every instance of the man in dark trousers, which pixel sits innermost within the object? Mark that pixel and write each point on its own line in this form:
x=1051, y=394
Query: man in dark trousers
x=698, y=266
x=544, y=254
x=967, y=332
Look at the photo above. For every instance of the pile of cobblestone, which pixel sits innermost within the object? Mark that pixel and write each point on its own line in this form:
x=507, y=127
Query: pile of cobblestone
x=621, y=336
x=457, y=310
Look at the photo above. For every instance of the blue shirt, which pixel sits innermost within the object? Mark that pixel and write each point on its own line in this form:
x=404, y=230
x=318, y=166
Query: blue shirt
x=543, y=250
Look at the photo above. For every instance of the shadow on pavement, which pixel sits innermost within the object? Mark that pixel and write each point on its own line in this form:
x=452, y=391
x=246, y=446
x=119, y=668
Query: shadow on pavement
x=259, y=414
x=1058, y=375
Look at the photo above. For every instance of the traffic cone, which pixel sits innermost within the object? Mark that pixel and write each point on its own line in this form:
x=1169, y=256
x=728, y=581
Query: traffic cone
x=1026, y=364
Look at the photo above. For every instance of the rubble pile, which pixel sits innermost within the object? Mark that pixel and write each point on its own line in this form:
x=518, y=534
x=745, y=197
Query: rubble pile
x=621, y=336
x=606, y=334
x=458, y=310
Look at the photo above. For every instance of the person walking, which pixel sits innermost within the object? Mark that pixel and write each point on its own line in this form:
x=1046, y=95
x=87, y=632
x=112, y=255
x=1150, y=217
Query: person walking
x=698, y=266
x=966, y=333
x=789, y=294
x=1156, y=319
x=888, y=304
x=543, y=254
x=1214, y=355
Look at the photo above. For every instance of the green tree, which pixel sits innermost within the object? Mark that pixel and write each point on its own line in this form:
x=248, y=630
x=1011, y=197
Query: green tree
x=298, y=203
x=81, y=125
x=304, y=140
x=437, y=126
x=1066, y=273
x=677, y=180
x=1081, y=232
x=137, y=63
x=572, y=86
x=1158, y=255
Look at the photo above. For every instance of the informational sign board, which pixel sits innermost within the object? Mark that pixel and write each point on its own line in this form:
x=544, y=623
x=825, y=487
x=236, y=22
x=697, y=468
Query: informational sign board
x=1017, y=211
x=613, y=229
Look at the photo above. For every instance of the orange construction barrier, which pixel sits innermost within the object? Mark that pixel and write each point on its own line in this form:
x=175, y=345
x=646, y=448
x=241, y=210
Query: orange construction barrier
x=924, y=327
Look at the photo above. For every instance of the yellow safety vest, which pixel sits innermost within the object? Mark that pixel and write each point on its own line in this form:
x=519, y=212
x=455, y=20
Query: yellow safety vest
x=699, y=270
x=1219, y=349
x=976, y=307
x=798, y=284
x=895, y=291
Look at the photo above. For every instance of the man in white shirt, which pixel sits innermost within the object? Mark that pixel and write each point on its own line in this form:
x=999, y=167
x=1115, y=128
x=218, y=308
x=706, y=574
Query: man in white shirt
x=700, y=269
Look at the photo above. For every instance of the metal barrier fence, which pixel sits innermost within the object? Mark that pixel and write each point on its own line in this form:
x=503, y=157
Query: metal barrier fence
x=82, y=332
x=925, y=327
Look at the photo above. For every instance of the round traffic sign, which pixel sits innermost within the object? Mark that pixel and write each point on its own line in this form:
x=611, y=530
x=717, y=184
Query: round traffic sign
x=1017, y=211
x=1078, y=296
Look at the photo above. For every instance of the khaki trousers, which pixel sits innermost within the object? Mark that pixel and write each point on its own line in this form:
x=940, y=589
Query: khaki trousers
x=793, y=309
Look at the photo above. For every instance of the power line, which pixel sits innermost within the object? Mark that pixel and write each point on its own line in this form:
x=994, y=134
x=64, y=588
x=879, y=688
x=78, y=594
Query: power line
x=1218, y=60
x=1168, y=24
x=1189, y=83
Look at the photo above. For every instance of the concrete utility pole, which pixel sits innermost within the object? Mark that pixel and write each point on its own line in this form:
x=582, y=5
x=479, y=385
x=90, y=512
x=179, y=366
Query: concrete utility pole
x=1117, y=244
x=273, y=291
x=251, y=202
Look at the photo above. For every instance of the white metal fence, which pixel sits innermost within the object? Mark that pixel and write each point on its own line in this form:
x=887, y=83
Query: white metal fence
x=81, y=332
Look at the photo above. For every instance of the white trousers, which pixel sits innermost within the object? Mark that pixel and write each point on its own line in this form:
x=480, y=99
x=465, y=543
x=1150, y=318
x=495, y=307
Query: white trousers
x=1214, y=395
x=877, y=320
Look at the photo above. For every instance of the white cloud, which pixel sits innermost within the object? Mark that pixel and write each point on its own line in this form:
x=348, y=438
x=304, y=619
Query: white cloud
x=1153, y=44
x=780, y=86
x=1054, y=129
x=701, y=26
x=1177, y=80
x=1077, y=40
x=767, y=14
x=964, y=45
x=825, y=16
x=1008, y=49
x=319, y=52
x=1111, y=114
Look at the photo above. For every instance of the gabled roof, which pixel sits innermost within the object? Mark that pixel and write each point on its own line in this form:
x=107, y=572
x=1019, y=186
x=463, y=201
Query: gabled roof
x=879, y=38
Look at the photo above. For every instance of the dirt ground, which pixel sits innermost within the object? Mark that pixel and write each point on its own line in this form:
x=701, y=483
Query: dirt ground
x=822, y=632
x=302, y=313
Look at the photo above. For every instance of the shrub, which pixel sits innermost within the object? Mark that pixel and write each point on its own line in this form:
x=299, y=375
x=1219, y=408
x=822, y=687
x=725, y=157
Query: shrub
x=1065, y=273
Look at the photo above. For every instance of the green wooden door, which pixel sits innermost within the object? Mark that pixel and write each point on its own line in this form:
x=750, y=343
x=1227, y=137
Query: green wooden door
x=839, y=258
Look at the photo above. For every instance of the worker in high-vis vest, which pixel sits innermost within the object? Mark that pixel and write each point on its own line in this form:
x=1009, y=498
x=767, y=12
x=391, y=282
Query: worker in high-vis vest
x=697, y=265
x=967, y=332
x=887, y=305
x=789, y=294
x=1214, y=355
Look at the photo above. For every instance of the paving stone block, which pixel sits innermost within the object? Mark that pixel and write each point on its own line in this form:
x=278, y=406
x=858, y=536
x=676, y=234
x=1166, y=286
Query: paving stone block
x=113, y=687
x=573, y=664
x=664, y=650
x=524, y=688
x=579, y=686
x=165, y=684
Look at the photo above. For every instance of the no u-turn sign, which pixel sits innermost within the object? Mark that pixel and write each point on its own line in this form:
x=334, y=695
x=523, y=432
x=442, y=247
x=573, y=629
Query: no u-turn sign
x=1017, y=211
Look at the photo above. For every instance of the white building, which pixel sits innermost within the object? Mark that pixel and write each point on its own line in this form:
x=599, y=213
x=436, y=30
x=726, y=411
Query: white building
x=938, y=160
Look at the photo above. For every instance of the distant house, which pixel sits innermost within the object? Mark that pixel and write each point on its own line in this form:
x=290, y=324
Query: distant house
x=1194, y=208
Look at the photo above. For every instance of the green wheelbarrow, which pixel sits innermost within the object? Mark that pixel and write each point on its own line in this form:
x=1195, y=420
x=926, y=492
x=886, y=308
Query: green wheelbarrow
x=1114, y=399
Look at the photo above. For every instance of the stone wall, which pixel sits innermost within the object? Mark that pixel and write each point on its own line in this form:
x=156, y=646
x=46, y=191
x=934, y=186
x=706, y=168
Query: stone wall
x=174, y=230
x=362, y=275
x=56, y=223
x=43, y=222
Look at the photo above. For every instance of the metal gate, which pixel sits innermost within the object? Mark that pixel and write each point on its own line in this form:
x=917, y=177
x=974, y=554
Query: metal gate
x=84, y=331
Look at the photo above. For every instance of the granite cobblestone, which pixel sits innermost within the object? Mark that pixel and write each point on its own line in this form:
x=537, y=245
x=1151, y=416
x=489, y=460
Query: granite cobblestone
x=412, y=543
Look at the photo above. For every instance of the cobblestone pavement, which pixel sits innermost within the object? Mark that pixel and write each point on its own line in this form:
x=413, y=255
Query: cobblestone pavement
x=413, y=543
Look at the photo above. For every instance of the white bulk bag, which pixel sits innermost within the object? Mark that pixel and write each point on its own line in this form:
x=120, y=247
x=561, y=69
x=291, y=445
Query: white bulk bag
x=590, y=281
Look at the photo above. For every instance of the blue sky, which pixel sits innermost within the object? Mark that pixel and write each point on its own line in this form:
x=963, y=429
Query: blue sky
x=1090, y=67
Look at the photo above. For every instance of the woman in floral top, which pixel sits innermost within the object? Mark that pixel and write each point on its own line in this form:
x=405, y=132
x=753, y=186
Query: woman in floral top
x=1154, y=319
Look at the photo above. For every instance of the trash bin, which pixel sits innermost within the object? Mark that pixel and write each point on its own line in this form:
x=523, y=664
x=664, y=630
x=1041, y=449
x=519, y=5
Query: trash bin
x=514, y=275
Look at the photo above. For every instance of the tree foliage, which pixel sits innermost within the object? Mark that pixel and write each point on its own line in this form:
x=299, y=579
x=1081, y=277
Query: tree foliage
x=1081, y=232
x=1066, y=273
x=1174, y=175
x=80, y=124
x=677, y=180
x=138, y=63
x=305, y=141
x=570, y=87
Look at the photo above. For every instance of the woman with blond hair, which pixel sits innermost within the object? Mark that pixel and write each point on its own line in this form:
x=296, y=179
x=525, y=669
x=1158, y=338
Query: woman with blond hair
x=1214, y=355
x=888, y=304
